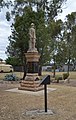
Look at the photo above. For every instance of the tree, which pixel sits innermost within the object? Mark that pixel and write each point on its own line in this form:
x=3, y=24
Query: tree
x=69, y=34
x=1, y=60
x=53, y=8
x=6, y=4
x=55, y=29
x=24, y=16
x=19, y=39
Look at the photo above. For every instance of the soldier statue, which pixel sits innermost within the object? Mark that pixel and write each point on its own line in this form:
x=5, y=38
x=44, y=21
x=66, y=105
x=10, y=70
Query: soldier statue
x=32, y=40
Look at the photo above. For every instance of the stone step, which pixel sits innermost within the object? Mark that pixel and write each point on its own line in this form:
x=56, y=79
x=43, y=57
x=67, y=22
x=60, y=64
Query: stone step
x=31, y=89
x=30, y=82
x=29, y=85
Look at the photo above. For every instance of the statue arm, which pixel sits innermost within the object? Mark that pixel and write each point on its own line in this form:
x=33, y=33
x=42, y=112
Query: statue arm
x=30, y=35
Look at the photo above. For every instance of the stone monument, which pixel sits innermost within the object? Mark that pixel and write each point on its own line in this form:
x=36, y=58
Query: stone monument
x=31, y=81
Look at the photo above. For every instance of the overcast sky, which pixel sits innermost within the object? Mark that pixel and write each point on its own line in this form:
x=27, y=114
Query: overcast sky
x=5, y=29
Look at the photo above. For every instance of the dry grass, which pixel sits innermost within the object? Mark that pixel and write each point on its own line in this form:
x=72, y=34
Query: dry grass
x=20, y=74
x=72, y=74
x=62, y=102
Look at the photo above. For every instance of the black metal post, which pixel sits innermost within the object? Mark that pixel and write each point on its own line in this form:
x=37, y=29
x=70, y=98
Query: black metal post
x=45, y=90
x=44, y=82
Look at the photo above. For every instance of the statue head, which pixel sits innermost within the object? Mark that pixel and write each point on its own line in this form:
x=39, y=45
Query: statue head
x=32, y=24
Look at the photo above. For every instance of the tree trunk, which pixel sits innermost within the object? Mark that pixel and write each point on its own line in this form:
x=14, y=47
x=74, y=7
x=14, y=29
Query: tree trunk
x=54, y=67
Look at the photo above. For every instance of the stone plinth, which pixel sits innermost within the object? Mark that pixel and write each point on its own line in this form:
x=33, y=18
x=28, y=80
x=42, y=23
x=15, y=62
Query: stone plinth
x=32, y=56
x=31, y=82
x=30, y=85
x=32, y=59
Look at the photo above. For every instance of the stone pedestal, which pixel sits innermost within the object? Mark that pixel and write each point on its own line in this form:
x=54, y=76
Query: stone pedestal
x=31, y=81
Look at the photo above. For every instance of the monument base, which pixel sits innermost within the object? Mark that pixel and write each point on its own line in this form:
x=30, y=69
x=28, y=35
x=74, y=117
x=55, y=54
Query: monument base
x=31, y=83
x=31, y=89
x=32, y=80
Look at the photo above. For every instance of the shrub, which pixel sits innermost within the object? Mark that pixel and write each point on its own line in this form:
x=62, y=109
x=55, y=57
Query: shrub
x=58, y=78
x=65, y=75
x=11, y=77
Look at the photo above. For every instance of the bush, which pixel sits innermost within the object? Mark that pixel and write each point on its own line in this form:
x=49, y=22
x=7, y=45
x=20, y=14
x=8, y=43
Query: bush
x=65, y=75
x=11, y=77
x=58, y=78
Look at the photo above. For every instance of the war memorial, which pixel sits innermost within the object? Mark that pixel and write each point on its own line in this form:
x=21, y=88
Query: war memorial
x=31, y=81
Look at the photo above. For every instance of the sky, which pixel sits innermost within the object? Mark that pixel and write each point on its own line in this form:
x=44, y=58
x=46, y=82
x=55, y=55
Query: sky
x=5, y=30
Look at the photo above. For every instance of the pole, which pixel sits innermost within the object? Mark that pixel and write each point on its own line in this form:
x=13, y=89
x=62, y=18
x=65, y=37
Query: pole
x=45, y=90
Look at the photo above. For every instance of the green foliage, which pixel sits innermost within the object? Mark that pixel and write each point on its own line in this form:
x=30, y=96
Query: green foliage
x=8, y=16
x=5, y=3
x=19, y=38
x=11, y=77
x=58, y=78
x=70, y=38
x=1, y=2
x=47, y=29
x=55, y=28
x=65, y=76
x=13, y=61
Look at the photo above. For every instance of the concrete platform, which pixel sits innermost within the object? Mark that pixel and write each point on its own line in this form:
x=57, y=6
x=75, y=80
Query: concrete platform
x=39, y=112
x=37, y=93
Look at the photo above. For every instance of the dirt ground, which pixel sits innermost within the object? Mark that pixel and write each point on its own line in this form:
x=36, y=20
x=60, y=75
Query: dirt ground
x=62, y=102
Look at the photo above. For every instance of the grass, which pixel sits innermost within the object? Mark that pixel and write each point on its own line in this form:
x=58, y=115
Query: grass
x=20, y=74
x=62, y=102
x=72, y=75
